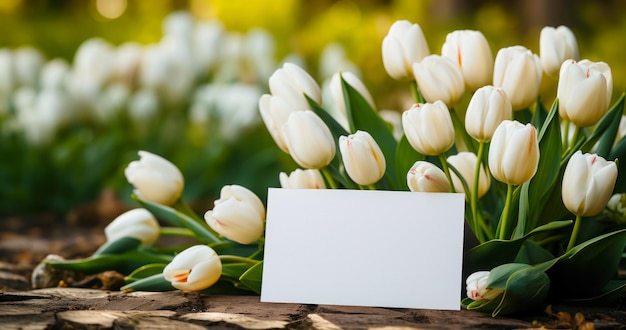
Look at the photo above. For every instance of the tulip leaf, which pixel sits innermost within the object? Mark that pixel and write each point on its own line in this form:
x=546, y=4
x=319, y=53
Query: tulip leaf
x=145, y=271
x=234, y=270
x=619, y=153
x=526, y=288
x=406, y=156
x=548, y=170
x=365, y=118
x=611, y=293
x=252, y=277
x=123, y=263
x=178, y=218
x=482, y=305
x=496, y=252
x=156, y=282
x=606, y=130
x=228, y=247
x=593, y=262
x=531, y=253
x=499, y=276
x=119, y=245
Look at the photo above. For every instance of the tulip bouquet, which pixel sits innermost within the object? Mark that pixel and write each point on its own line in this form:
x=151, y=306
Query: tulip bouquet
x=544, y=202
x=537, y=180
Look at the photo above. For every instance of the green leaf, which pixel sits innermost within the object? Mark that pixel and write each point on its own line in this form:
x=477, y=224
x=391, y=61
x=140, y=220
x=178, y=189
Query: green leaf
x=547, y=170
x=606, y=130
x=611, y=293
x=587, y=268
x=499, y=276
x=145, y=271
x=526, y=288
x=496, y=252
x=252, y=277
x=531, y=253
x=365, y=118
x=123, y=263
x=120, y=245
x=177, y=218
x=406, y=156
x=619, y=152
x=234, y=270
x=152, y=283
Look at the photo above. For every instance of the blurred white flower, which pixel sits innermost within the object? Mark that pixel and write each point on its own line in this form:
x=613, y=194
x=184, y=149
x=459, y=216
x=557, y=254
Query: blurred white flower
x=128, y=57
x=333, y=59
x=54, y=74
x=259, y=51
x=207, y=37
x=143, y=106
x=28, y=62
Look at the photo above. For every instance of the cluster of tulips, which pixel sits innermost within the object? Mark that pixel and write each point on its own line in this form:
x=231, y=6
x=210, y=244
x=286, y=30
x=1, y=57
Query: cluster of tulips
x=537, y=181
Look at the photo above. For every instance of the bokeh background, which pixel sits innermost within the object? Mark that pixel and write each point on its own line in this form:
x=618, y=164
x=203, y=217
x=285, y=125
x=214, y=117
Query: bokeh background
x=84, y=84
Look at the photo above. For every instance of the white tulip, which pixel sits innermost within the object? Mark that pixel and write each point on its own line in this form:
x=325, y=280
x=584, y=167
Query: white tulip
x=302, y=179
x=136, y=223
x=403, y=45
x=194, y=269
x=155, y=178
x=470, y=51
x=238, y=215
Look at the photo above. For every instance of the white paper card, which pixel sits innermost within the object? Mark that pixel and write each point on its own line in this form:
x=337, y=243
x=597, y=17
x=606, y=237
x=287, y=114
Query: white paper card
x=363, y=248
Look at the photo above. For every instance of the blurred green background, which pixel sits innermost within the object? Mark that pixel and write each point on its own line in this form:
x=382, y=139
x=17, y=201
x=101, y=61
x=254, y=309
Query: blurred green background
x=86, y=156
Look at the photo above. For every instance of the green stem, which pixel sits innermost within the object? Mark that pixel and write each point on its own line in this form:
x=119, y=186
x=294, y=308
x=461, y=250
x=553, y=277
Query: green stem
x=184, y=208
x=176, y=231
x=329, y=178
x=565, y=134
x=459, y=130
x=474, y=194
x=417, y=97
x=446, y=170
x=237, y=259
x=505, y=212
x=574, y=237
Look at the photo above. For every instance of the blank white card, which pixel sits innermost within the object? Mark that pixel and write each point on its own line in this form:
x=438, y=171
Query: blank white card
x=364, y=248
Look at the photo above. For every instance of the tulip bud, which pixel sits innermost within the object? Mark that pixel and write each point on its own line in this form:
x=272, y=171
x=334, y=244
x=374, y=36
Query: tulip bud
x=136, y=223
x=488, y=107
x=514, y=152
x=352, y=80
x=518, y=72
x=556, y=45
x=238, y=215
x=308, y=140
x=194, y=269
x=428, y=128
x=155, y=179
x=302, y=179
x=470, y=50
x=275, y=111
x=426, y=177
x=477, y=286
x=362, y=158
x=616, y=208
x=439, y=78
x=588, y=182
x=583, y=92
x=465, y=163
x=291, y=83
x=404, y=45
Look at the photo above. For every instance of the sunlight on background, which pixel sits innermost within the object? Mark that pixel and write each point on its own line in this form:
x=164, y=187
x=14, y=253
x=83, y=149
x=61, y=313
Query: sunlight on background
x=111, y=9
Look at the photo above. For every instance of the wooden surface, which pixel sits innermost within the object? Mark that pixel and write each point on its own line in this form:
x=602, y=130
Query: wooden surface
x=72, y=308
